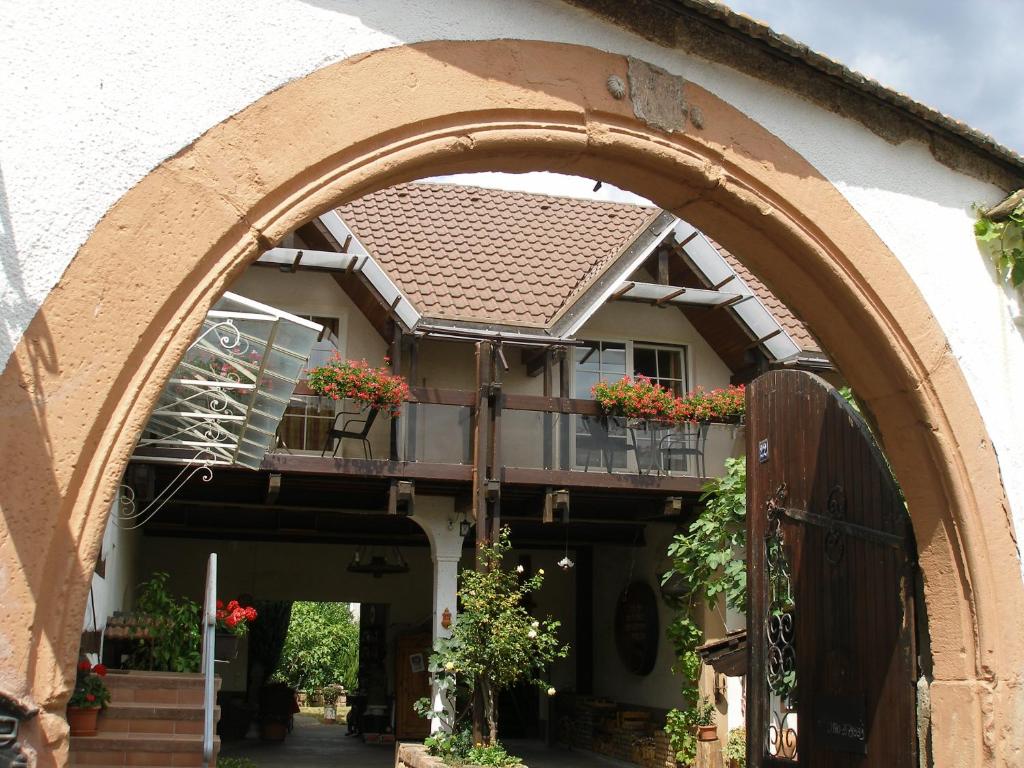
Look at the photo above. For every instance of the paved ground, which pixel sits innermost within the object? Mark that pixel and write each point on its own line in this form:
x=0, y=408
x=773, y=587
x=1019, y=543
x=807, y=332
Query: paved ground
x=312, y=745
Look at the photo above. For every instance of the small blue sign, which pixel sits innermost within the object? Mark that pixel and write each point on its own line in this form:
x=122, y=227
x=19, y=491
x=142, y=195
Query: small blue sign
x=762, y=451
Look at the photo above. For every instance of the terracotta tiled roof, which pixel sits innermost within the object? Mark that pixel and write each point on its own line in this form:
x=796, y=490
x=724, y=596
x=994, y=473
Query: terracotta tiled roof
x=486, y=255
x=516, y=258
x=797, y=331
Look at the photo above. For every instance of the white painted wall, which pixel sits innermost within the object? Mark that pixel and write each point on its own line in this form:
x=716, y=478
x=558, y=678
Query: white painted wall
x=115, y=590
x=104, y=91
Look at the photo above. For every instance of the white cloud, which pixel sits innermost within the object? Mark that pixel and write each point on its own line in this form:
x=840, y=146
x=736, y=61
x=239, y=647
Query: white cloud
x=957, y=57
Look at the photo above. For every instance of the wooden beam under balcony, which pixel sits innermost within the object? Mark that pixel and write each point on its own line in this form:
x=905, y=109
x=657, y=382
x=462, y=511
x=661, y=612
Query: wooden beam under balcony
x=655, y=484
x=402, y=470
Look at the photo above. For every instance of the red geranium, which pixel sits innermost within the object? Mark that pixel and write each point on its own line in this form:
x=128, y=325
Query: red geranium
x=358, y=380
x=235, y=617
x=100, y=669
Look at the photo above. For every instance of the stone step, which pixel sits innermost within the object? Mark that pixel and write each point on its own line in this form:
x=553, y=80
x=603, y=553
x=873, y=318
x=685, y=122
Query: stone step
x=156, y=687
x=137, y=749
x=134, y=717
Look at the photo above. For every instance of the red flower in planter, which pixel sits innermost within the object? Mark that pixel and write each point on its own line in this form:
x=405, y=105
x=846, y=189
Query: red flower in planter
x=84, y=666
x=100, y=669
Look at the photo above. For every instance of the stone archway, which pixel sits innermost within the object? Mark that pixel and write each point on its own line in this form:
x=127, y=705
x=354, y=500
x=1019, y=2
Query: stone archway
x=82, y=381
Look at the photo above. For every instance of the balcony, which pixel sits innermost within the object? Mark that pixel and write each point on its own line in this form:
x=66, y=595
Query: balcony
x=538, y=441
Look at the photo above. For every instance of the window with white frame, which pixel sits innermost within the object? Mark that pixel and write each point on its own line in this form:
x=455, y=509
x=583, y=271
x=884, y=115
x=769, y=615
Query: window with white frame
x=599, y=444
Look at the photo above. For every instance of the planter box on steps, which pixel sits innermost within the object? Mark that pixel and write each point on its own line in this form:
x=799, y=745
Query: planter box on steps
x=154, y=719
x=413, y=755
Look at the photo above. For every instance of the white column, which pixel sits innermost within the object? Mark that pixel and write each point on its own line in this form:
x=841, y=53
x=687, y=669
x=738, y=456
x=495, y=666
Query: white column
x=436, y=516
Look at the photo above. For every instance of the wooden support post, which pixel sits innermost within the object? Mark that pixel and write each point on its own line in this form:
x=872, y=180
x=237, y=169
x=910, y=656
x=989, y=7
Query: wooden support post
x=565, y=428
x=481, y=440
x=548, y=419
x=396, y=367
x=481, y=444
x=493, y=490
x=413, y=409
x=663, y=276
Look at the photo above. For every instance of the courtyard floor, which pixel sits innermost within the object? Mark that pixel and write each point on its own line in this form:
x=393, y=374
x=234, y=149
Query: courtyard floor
x=314, y=745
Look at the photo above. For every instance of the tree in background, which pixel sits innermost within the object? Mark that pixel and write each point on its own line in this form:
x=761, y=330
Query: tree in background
x=322, y=647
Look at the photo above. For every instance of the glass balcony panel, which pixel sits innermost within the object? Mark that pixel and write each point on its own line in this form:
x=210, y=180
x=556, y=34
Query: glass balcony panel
x=284, y=365
x=437, y=434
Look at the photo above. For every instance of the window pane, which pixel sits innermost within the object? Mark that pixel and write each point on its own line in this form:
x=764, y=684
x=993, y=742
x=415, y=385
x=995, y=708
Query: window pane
x=613, y=359
x=587, y=357
x=584, y=380
x=645, y=362
x=668, y=363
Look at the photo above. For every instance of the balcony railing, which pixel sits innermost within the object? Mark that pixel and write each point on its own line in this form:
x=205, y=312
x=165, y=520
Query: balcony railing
x=532, y=433
x=575, y=435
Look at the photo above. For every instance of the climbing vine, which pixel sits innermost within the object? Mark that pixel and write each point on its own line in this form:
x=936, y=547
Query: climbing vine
x=704, y=569
x=1002, y=235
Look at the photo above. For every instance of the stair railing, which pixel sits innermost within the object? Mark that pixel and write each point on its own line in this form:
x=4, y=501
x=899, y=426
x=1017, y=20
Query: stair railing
x=209, y=640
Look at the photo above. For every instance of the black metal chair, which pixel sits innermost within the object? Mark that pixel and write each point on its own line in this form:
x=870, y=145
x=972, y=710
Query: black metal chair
x=597, y=437
x=691, y=441
x=354, y=428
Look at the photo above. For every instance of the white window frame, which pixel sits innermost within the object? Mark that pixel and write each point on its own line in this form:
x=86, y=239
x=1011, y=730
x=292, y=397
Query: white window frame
x=630, y=344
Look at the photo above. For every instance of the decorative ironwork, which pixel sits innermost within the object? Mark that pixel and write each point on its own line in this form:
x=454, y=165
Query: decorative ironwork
x=129, y=517
x=780, y=632
x=232, y=387
x=782, y=734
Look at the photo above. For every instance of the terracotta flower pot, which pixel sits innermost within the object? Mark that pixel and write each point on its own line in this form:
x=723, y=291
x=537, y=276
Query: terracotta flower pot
x=707, y=733
x=82, y=720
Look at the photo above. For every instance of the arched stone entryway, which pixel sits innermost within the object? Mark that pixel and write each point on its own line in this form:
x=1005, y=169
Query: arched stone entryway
x=83, y=379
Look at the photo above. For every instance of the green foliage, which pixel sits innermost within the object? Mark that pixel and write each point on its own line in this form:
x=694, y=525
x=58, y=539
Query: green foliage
x=704, y=712
x=235, y=762
x=90, y=691
x=321, y=648
x=458, y=749
x=495, y=643
x=704, y=563
x=736, y=747
x=172, y=624
x=491, y=754
x=680, y=728
x=1004, y=241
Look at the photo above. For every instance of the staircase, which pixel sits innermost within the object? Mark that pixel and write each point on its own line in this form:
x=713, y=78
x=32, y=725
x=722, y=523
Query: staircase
x=154, y=719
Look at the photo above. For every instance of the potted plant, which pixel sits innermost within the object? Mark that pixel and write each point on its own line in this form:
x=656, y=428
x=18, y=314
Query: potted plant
x=736, y=748
x=704, y=719
x=377, y=388
x=232, y=624
x=89, y=697
x=639, y=399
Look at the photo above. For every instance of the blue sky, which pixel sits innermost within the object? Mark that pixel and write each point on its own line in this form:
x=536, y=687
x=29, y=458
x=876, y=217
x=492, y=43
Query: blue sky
x=962, y=58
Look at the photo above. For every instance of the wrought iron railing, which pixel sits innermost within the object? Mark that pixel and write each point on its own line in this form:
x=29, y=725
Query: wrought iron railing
x=209, y=640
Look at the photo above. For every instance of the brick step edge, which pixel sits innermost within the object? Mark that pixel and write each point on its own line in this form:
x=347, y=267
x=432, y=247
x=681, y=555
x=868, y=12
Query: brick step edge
x=141, y=710
x=140, y=742
x=137, y=679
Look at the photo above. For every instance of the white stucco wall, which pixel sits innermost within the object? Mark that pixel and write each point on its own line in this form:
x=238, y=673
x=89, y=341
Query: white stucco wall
x=98, y=93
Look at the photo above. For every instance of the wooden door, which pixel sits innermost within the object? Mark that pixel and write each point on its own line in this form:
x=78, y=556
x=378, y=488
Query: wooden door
x=412, y=682
x=832, y=659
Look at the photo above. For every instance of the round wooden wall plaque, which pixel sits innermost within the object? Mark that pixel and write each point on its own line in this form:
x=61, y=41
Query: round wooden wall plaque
x=636, y=628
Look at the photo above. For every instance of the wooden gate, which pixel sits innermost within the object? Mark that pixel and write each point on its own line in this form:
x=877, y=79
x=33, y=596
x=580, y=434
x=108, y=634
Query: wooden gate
x=831, y=582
